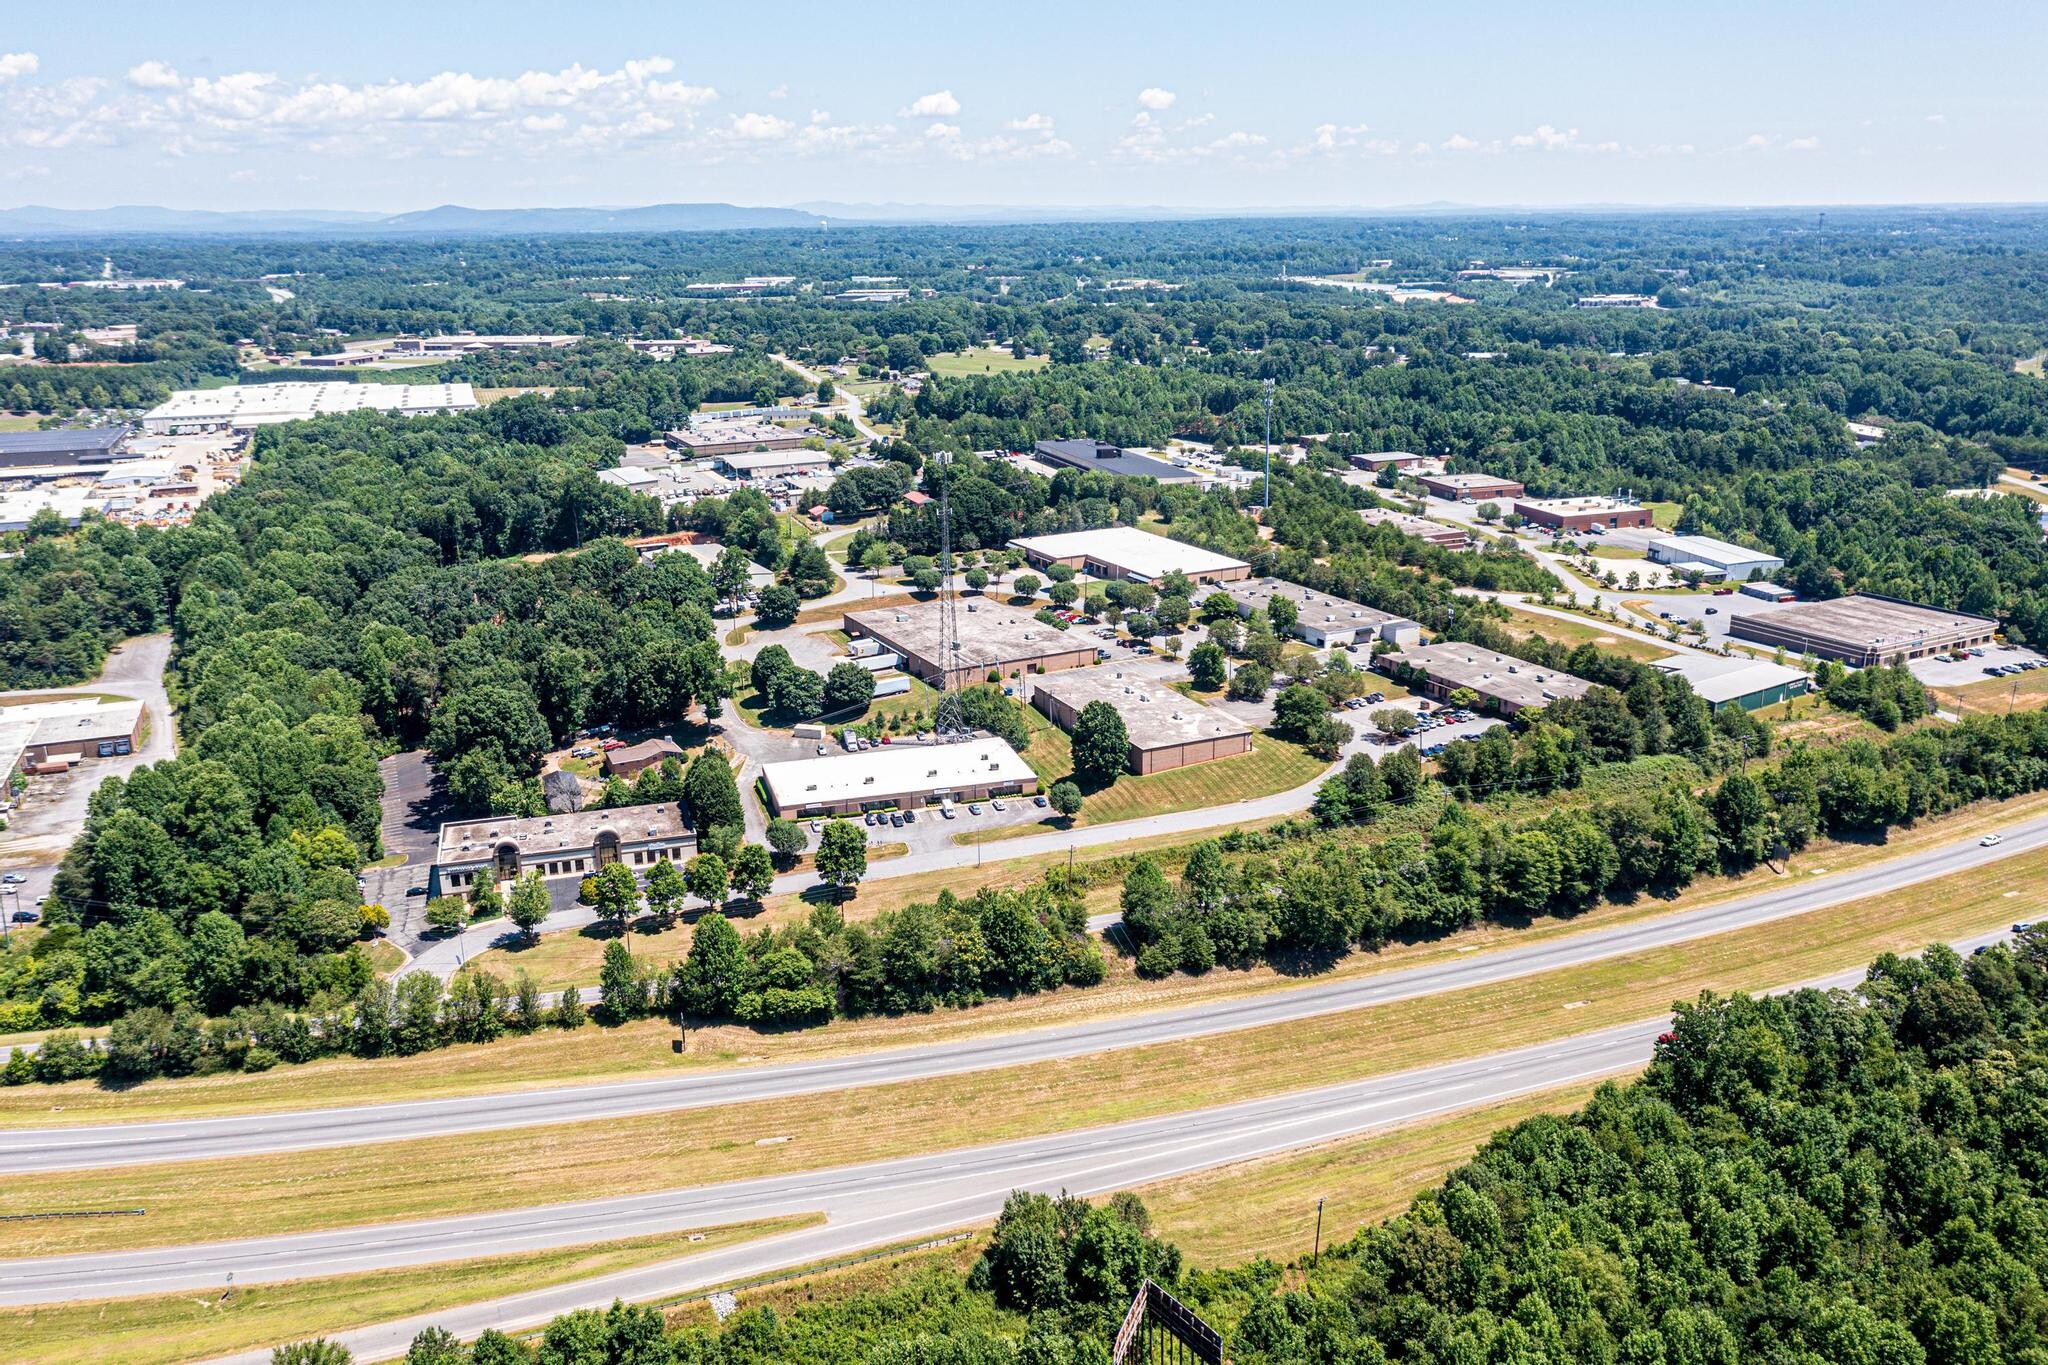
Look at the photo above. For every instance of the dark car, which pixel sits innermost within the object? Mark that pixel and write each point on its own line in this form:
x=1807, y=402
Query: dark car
x=415, y=891
x=26, y=917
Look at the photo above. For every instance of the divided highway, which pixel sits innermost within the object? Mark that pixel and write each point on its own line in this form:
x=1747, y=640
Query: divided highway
x=69, y=1148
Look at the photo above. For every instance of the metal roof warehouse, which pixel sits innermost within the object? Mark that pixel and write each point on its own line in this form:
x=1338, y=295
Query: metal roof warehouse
x=1104, y=458
x=906, y=774
x=1127, y=552
x=1511, y=684
x=1863, y=629
x=1165, y=729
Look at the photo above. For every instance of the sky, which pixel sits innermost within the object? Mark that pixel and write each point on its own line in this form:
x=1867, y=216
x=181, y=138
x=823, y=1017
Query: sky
x=196, y=104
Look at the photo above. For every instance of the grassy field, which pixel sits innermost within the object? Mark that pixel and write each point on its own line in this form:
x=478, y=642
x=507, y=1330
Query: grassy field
x=641, y=1050
x=26, y=421
x=920, y=700
x=982, y=360
x=571, y=959
x=161, y=1329
x=1267, y=1207
x=1617, y=552
x=2031, y=365
x=293, y=1191
x=1273, y=765
x=1612, y=638
x=1664, y=515
x=1993, y=696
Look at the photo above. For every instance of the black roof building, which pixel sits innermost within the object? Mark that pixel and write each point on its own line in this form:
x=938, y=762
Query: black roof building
x=81, y=445
x=1105, y=458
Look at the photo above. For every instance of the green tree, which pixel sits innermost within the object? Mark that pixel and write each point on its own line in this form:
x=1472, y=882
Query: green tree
x=778, y=607
x=1066, y=799
x=615, y=895
x=528, y=904
x=621, y=986
x=1208, y=666
x=1283, y=613
x=787, y=839
x=711, y=794
x=709, y=878
x=842, y=858
x=665, y=890
x=1101, y=744
x=730, y=573
x=753, y=873
x=713, y=976
x=318, y=1351
x=1250, y=683
x=447, y=914
x=848, y=687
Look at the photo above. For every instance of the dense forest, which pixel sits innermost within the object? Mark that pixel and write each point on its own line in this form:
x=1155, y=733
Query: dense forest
x=1817, y=1176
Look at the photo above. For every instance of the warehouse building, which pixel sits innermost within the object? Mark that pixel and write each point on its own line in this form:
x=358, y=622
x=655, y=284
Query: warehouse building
x=906, y=776
x=36, y=734
x=1863, y=629
x=1388, y=459
x=1736, y=681
x=1419, y=528
x=1714, y=558
x=735, y=436
x=243, y=406
x=1575, y=516
x=77, y=446
x=993, y=639
x=1166, y=729
x=1323, y=620
x=469, y=343
x=1506, y=683
x=1126, y=552
x=574, y=844
x=766, y=466
x=1470, y=487
x=1103, y=458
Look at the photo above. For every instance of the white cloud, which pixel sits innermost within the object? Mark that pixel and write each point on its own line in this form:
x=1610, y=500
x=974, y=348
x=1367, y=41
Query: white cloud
x=1030, y=123
x=942, y=130
x=780, y=92
x=1458, y=142
x=154, y=75
x=938, y=104
x=1237, y=141
x=14, y=64
x=1803, y=144
x=1157, y=100
x=1937, y=119
x=761, y=127
x=1545, y=137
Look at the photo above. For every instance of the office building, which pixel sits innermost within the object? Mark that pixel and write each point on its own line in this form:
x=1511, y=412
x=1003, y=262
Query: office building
x=908, y=775
x=994, y=639
x=1166, y=729
x=573, y=844
x=1323, y=620
x=1714, y=558
x=1575, y=516
x=1420, y=528
x=1128, y=553
x=1470, y=487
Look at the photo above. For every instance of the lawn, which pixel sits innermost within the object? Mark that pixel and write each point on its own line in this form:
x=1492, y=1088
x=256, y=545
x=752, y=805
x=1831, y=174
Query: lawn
x=258, y=1195
x=903, y=709
x=174, y=1327
x=982, y=360
x=1273, y=765
x=27, y=421
x=1664, y=515
x=571, y=958
x=1994, y=696
x=1612, y=638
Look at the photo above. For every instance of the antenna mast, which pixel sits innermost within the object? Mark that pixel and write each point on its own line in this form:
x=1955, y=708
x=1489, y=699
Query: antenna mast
x=950, y=718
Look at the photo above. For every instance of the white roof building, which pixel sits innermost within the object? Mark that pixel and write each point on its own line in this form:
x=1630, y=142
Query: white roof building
x=240, y=406
x=1127, y=552
x=904, y=774
x=1738, y=563
x=1739, y=680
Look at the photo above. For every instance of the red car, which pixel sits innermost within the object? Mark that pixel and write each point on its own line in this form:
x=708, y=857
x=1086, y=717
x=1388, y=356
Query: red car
x=611, y=744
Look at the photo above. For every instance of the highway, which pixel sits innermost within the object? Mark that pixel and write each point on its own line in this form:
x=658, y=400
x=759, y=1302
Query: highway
x=28, y=1151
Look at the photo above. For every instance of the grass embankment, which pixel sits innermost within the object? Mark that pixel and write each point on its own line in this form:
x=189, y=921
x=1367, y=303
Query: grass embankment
x=164, y=1328
x=1995, y=696
x=982, y=360
x=287, y=1192
x=1612, y=638
x=1273, y=765
x=641, y=1050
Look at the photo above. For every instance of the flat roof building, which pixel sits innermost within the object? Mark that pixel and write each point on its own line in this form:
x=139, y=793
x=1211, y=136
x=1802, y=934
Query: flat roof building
x=907, y=775
x=1736, y=681
x=736, y=436
x=1128, y=553
x=76, y=446
x=1508, y=683
x=1470, y=487
x=1578, y=515
x=1430, y=532
x=765, y=466
x=1735, y=563
x=242, y=406
x=1388, y=459
x=1324, y=620
x=572, y=844
x=1103, y=458
x=993, y=639
x=1863, y=629
x=1166, y=730
x=67, y=730
x=468, y=343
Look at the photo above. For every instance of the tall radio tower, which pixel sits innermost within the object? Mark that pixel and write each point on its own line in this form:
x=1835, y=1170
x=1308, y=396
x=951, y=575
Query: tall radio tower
x=950, y=719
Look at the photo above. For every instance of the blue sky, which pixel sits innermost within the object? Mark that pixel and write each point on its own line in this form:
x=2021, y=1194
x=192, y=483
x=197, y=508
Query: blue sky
x=387, y=107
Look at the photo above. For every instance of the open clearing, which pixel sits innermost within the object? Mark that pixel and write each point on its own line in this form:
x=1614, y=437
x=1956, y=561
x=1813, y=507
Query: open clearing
x=982, y=360
x=294, y=1191
x=1615, y=639
x=165, y=1328
x=1995, y=696
x=641, y=1050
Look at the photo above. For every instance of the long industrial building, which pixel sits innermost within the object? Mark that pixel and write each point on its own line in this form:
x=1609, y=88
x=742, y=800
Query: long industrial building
x=993, y=639
x=36, y=734
x=1418, y=528
x=1579, y=515
x=1166, y=729
x=1470, y=487
x=1507, y=683
x=241, y=406
x=1126, y=552
x=1324, y=620
x=573, y=844
x=1101, y=457
x=1736, y=681
x=1863, y=629
x=73, y=446
x=907, y=775
x=1713, y=558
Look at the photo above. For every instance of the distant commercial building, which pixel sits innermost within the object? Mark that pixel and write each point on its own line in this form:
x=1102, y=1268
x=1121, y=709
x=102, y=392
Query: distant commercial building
x=993, y=639
x=1769, y=592
x=77, y=446
x=574, y=844
x=1101, y=457
x=752, y=284
x=1166, y=730
x=468, y=343
x=1865, y=433
x=766, y=466
x=335, y=360
x=1506, y=683
x=1430, y=532
x=734, y=436
x=1470, y=487
x=1715, y=558
x=1863, y=629
x=67, y=731
x=1736, y=681
x=634, y=759
x=908, y=776
x=1578, y=515
x=244, y=406
x=668, y=348
x=1388, y=459
x=1323, y=620
x=1616, y=301
x=872, y=295
x=1126, y=552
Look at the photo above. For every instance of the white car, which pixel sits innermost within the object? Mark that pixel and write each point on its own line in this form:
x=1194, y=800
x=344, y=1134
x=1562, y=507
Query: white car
x=1990, y=839
x=998, y=805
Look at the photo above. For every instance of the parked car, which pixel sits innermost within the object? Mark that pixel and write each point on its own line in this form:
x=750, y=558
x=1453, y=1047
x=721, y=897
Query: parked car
x=998, y=804
x=26, y=917
x=895, y=819
x=416, y=891
x=1038, y=801
x=612, y=744
x=821, y=751
x=817, y=826
x=974, y=808
x=1713, y=611
x=910, y=817
x=946, y=810
x=15, y=879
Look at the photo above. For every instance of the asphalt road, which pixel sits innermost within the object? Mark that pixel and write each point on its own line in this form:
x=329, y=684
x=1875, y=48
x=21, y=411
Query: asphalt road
x=28, y=1151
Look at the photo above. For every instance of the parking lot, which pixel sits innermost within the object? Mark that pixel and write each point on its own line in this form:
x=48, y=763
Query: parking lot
x=1711, y=611
x=1944, y=672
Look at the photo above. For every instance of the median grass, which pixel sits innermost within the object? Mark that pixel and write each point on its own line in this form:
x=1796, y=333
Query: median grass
x=1613, y=639
x=641, y=1050
x=297, y=1191
x=163, y=1328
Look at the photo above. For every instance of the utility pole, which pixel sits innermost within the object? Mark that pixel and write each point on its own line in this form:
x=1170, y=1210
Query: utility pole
x=1268, y=388
x=1317, y=1254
